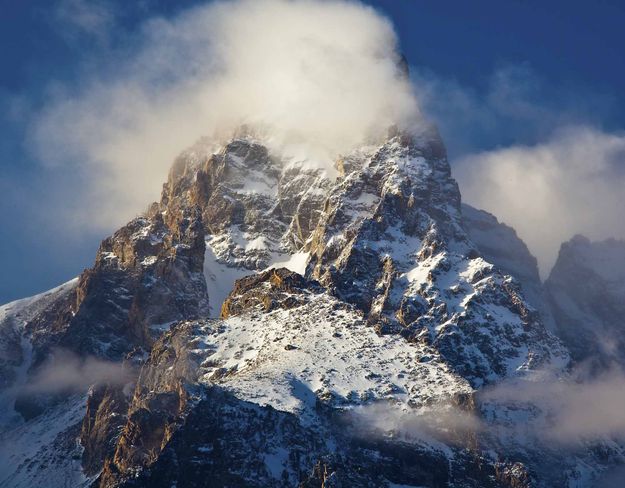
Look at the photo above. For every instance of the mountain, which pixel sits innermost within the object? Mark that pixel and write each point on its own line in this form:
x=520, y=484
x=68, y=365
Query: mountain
x=273, y=324
x=586, y=291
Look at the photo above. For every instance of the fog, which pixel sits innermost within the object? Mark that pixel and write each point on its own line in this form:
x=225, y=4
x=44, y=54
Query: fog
x=315, y=78
x=552, y=409
x=444, y=423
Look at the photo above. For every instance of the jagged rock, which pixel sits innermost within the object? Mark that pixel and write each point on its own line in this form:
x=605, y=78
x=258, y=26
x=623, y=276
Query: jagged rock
x=159, y=401
x=15, y=349
x=220, y=434
x=146, y=275
x=106, y=414
x=391, y=242
x=275, y=288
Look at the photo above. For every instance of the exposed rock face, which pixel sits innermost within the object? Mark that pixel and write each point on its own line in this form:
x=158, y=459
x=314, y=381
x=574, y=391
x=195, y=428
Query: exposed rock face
x=157, y=408
x=15, y=351
x=586, y=290
x=275, y=288
x=145, y=275
x=105, y=416
x=11, y=354
x=257, y=209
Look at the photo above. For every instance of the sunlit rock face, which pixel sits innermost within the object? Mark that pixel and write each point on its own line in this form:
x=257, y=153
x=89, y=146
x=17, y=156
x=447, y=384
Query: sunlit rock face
x=285, y=325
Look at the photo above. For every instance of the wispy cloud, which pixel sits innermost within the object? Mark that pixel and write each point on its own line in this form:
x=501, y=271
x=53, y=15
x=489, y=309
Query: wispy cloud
x=512, y=105
x=554, y=410
x=64, y=371
x=531, y=151
x=571, y=409
x=444, y=422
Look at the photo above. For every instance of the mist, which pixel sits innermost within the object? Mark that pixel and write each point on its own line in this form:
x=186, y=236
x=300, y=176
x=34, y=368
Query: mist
x=555, y=410
x=570, y=184
x=63, y=372
x=574, y=409
x=444, y=422
x=311, y=77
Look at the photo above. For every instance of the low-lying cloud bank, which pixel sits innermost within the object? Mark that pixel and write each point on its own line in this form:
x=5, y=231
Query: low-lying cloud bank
x=580, y=408
x=572, y=183
x=445, y=423
x=319, y=76
x=556, y=412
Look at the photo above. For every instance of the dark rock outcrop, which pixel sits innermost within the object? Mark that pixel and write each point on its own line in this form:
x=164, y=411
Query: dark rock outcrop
x=391, y=242
x=146, y=275
x=500, y=245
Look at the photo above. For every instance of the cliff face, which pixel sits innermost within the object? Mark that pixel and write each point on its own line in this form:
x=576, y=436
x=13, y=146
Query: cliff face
x=146, y=276
x=294, y=327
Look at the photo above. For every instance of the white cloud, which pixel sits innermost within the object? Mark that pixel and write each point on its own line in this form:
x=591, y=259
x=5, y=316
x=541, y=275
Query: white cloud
x=572, y=183
x=317, y=73
x=443, y=421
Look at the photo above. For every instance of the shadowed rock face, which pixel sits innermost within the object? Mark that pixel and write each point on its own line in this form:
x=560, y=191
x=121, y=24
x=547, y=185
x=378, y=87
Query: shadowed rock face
x=246, y=196
x=145, y=275
x=104, y=418
x=586, y=290
x=396, y=308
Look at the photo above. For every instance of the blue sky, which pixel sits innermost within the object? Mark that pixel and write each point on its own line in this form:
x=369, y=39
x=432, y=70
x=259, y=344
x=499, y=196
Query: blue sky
x=496, y=74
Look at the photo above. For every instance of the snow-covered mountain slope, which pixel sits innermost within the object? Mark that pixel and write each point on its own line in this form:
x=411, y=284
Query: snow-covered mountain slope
x=45, y=451
x=258, y=210
x=360, y=296
x=349, y=364
x=586, y=290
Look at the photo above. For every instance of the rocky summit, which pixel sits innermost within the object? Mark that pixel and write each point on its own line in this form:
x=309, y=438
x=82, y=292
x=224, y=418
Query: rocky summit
x=271, y=324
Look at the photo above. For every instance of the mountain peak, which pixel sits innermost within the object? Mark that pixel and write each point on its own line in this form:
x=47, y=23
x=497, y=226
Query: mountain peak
x=266, y=295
